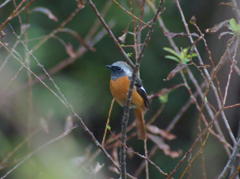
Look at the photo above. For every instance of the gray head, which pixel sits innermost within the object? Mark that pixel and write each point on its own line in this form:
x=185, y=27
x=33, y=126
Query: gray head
x=119, y=69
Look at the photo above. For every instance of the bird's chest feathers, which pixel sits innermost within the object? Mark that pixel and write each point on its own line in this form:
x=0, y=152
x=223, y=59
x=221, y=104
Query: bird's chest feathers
x=119, y=89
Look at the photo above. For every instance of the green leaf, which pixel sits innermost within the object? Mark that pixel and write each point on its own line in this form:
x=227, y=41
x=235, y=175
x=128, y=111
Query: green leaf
x=185, y=51
x=108, y=127
x=186, y=60
x=163, y=98
x=172, y=58
x=129, y=54
x=192, y=55
x=234, y=26
x=183, y=57
x=171, y=51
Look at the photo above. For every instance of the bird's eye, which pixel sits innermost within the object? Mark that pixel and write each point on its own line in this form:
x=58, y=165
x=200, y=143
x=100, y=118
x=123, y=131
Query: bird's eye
x=118, y=68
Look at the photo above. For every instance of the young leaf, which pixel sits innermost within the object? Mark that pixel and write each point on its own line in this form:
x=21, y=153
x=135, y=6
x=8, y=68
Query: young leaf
x=192, y=55
x=164, y=98
x=47, y=12
x=183, y=57
x=129, y=54
x=234, y=26
x=170, y=57
x=171, y=51
x=108, y=127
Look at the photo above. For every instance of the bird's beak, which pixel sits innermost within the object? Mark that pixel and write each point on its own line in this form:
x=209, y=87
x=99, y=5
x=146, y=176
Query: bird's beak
x=109, y=66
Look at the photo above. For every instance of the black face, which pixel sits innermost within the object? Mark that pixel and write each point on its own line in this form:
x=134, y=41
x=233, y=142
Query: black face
x=116, y=71
x=114, y=68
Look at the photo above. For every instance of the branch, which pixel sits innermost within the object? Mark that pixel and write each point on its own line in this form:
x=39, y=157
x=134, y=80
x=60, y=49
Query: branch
x=93, y=6
x=27, y=157
x=219, y=103
x=126, y=110
x=231, y=160
x=236, y=8
x=16, y=12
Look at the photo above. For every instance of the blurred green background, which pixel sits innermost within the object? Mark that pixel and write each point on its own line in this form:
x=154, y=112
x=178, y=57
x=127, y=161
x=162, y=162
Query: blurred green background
x=85, y=83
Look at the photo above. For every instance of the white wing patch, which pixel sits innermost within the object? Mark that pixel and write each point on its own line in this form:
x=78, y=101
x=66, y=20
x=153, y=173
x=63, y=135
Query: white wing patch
x=143, y=89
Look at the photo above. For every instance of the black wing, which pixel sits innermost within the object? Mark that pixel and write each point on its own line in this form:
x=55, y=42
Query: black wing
x=142, y=92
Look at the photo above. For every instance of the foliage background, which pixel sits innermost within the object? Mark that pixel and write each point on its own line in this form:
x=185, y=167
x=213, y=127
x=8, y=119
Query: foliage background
x=85, y=83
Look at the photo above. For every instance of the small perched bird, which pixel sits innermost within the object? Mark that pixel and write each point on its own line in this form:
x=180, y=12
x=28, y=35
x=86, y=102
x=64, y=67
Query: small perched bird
x=121, y=74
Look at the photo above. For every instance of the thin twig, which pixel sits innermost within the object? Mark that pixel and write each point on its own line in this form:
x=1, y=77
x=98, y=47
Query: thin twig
x=27, y=157
x=5, y=3
x=234, y=62
x=146, y=161
x=108, y=121
x=129, y=13
x=58, y=29
x=236, y=8
x=126, y=111
x=231, y=159
x=65, y=102
x=16, y=12
x=63, y=64
x=150, y=161
x=93, y=6
x=206, y=72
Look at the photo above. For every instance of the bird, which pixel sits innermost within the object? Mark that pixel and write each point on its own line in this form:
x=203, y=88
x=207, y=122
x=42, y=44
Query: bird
x=121, y=74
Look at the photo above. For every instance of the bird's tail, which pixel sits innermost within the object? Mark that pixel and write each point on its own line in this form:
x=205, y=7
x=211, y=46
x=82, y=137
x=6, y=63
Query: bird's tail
x=140, y=123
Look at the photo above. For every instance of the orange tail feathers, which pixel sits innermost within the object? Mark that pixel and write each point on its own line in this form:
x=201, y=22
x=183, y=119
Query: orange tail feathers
x=140, y=123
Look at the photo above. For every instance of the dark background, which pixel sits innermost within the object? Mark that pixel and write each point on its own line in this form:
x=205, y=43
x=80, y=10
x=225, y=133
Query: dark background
x=85, y=83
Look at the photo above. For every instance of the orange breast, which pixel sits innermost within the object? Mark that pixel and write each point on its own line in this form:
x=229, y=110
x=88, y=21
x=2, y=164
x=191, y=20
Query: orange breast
x=119, y=89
